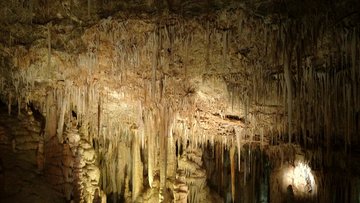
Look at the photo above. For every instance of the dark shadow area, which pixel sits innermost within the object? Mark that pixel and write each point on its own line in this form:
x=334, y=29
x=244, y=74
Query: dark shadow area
x=20, y=181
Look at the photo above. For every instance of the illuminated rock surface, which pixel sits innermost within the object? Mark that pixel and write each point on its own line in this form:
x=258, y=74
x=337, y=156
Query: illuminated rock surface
x=180, y=101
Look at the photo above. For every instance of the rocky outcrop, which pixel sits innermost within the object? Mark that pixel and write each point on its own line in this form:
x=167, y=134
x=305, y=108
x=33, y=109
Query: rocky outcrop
x=81, y=170
x=191, y=171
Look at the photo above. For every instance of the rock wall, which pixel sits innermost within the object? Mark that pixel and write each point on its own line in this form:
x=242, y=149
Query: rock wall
x=23, y=160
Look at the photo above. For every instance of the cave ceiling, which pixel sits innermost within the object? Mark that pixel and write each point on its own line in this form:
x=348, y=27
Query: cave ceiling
x=217, y=66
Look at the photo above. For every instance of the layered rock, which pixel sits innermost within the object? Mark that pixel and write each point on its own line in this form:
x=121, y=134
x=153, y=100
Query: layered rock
x=85, y=169
x=192, y=173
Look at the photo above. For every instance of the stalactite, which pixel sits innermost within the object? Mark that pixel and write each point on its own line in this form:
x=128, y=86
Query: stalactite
x=238, y=133
x=245, y=168
x=99, y=116
x=78, y=102
x=287, y=74
x=122, y=163
x=233, y=166
x=151, y=150
x=232, y=98
x=208, y=47
x=224, y=44
x=171, y=158
x=49, y=47
x=249, y=160
x=111, y=168
x=51, y=115
x=217, y=162
x=261, y=138
x=155, y=62
x=353, y=65
x=137, y=168
x=60, y=126
x=247, y=103
x=222, y=164
x=141, y=126
x=83, y=105
x=186, y=55
x=164, y=130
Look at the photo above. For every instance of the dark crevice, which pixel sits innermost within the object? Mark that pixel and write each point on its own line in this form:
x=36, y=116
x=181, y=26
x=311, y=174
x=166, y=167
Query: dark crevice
x=235, y=118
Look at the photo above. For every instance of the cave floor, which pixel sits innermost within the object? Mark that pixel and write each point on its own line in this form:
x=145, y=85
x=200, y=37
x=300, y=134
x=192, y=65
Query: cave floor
x=19, y=180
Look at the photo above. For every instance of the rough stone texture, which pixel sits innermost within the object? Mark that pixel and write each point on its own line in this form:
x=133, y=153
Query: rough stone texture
x=195, y=176
x=20, y=177
x=116, y=81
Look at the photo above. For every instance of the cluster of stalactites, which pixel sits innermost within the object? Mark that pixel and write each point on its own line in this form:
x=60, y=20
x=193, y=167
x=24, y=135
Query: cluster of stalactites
x=156, y=145
x=319, y=79
x=73, y=104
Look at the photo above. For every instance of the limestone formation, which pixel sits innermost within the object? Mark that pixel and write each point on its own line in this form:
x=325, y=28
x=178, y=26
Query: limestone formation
x=183, y=101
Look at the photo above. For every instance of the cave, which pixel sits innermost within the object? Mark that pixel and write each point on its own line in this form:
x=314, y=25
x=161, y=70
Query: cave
x=179, y=101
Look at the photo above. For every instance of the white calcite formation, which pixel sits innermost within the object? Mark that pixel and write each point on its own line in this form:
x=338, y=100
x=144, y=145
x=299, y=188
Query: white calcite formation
x=86, y=172
x=194, y=175
x=129, y=101
x=181, y=189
